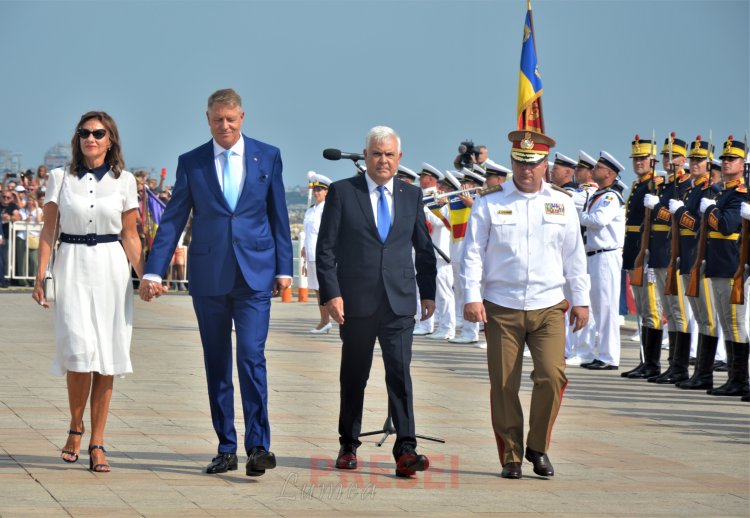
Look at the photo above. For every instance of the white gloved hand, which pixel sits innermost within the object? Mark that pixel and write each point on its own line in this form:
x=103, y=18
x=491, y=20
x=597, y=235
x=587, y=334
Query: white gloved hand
x=650, y=201
x=745, y=210
x=674, y=205
x=706, y=203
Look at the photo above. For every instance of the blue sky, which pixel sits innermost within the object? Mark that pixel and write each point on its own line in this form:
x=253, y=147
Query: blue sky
x=317, y=74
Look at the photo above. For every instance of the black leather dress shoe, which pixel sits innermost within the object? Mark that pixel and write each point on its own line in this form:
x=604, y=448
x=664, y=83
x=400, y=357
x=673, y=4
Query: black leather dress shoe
x=222, y=463
x=586, y=365
x=511, y=470
x=601, y=366
x=542, y=465
x=409, y=462
x=593, y=364
x=258, y=461
x=347, y=458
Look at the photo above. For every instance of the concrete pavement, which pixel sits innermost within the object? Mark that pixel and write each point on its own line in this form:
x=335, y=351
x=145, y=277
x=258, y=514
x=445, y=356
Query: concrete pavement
x=620, y=448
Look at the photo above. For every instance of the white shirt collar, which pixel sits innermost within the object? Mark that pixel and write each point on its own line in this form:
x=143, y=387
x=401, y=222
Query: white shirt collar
x=371, y=185
x=237, y=149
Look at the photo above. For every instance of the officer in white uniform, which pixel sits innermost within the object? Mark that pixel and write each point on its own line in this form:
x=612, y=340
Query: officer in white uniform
x=311, y=225
x=604, y=219
x=430, y=179
x=579, y=346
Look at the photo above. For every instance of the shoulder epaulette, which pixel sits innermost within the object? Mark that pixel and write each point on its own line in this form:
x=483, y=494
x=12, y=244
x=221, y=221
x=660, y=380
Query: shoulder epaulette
x=741, y=188
x=555, y=187
x=490, y=190
x=659, y=180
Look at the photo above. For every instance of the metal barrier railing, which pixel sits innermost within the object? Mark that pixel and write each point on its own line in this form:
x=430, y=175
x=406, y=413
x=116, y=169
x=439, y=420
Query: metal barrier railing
x=27, y=258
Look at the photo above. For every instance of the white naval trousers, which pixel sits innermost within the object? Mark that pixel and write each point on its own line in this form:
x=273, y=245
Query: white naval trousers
x=604, y=270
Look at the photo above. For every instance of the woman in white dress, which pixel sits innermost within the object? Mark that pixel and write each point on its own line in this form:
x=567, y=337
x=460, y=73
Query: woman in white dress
x=91, y=205
x=319, y=185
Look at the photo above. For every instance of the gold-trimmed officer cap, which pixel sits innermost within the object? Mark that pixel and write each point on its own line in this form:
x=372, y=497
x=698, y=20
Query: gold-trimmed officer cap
x=449, y=180
x=733, y=148
x=565, y=161
x=430, y=170
x=496, y=169
x=679, y=146
x=699, y=149
x=585, y=160
x=318, y=180
x=642, y=147
x=405, y=172
x=529, y=146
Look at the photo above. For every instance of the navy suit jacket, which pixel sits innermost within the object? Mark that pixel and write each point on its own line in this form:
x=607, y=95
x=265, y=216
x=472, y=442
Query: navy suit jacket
x=353, y=263
x=255, y=235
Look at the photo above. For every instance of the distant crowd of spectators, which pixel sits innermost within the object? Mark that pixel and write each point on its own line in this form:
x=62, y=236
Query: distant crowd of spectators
x=22, y=199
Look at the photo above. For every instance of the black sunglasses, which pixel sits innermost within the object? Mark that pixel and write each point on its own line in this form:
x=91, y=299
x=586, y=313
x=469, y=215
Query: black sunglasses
x=98, y=134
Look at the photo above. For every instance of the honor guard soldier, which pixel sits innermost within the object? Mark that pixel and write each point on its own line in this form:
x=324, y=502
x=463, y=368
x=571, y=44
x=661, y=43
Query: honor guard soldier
x=647, y=303
x=687, y=213
x=674, y=156
x=496, y=174
x=722, y=256
x=604, y=220
x=745, y=213
x=523, y=244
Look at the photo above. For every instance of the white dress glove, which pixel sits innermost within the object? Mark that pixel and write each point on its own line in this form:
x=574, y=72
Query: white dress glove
x=674, y=205
x=706, y=203
x=650, y=201
x=745, y=210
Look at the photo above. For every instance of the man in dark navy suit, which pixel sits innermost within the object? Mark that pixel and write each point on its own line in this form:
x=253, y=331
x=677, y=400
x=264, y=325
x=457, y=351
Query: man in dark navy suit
x=369, y=227
x=240, y=255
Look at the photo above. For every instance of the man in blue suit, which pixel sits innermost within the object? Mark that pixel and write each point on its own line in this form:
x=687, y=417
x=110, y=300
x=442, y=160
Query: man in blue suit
x=370, y=225
x=239, y=257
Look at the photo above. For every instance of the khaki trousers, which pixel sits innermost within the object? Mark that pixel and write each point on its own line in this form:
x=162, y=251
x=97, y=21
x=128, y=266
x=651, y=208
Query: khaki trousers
x=507, y=331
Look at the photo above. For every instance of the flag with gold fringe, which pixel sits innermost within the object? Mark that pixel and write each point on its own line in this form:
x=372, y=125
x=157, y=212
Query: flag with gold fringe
x=529, y=81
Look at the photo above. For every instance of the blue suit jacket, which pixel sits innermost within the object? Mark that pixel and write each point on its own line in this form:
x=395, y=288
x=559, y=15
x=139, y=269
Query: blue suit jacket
x=256, y=234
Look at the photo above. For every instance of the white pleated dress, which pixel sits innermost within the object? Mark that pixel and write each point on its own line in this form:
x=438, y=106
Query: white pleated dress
x=94, y=295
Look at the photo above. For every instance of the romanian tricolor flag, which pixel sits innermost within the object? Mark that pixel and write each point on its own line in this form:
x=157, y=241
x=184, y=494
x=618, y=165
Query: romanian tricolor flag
x=432, y=205
x=459, y=213
x=152, y=209
x=529, y=81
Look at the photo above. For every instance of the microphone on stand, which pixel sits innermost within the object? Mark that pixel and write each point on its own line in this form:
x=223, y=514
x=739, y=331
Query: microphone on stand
x=337, y=154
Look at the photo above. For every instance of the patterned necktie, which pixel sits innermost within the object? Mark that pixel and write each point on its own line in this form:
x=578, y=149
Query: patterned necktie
x=384, y=217
x=230, y=186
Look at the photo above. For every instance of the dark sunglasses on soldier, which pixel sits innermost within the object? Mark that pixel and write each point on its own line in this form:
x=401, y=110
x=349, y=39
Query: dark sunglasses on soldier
x=98, y=134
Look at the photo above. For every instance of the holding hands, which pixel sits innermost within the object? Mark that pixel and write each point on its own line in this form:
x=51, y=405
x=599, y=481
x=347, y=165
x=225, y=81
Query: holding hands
x=150, y=289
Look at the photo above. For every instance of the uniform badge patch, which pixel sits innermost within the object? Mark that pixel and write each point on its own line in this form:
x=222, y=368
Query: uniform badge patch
x=554, y=208
x=505, y=211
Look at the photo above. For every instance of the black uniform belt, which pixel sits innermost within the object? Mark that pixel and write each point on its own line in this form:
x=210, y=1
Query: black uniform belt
x=594, y=252
x=89, y=239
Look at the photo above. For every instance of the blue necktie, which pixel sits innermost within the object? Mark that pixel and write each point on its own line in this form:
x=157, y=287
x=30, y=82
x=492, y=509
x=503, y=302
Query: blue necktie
x=230, y=186
x=384, y=217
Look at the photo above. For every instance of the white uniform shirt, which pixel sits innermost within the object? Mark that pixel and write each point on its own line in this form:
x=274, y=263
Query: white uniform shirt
x=604, y=219
x=582, y=193
x=311, y=226
x=439, y=233
x=522, y=248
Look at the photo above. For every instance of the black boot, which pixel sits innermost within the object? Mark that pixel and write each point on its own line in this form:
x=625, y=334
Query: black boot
x=651, y=353
x=678, y=372
x=640, y=365
x=737, y=385
x=672, y=339
x=703, y=375
x=730, y=374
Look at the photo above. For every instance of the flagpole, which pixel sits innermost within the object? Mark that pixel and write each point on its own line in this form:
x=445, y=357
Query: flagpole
x=531, y=26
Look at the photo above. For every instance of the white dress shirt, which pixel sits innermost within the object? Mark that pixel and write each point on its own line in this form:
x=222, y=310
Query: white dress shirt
x=521, y=248
x=372, y=187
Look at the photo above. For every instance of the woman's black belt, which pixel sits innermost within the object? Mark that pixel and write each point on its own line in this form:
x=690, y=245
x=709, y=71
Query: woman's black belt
x=89, y=239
